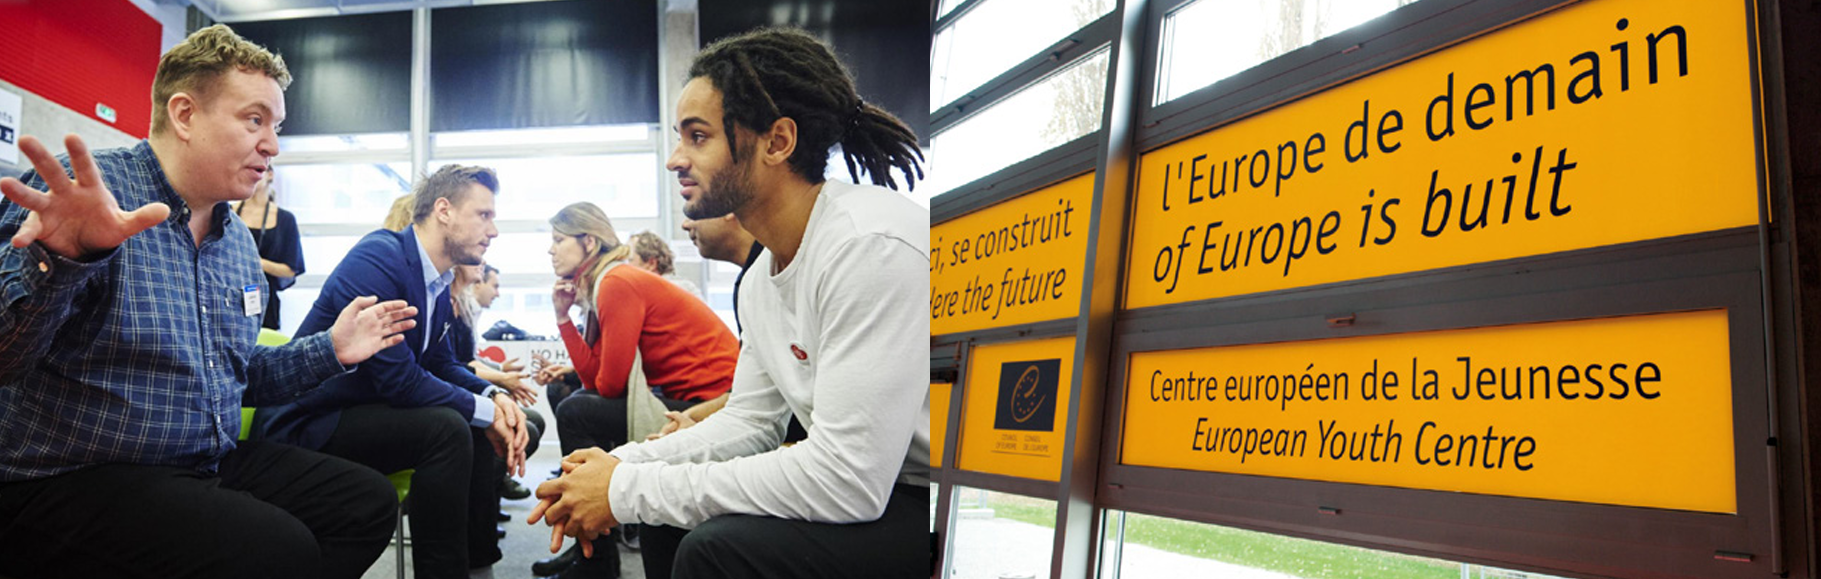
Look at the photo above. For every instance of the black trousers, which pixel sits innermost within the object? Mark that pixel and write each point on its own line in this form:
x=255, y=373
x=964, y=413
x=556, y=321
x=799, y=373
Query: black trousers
x=585, y=420
x=896, y=545
x=455, y=491
x=559, y=390
x=273, y=510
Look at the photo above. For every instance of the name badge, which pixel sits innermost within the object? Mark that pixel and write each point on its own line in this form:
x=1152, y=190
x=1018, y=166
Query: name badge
x=250, y=302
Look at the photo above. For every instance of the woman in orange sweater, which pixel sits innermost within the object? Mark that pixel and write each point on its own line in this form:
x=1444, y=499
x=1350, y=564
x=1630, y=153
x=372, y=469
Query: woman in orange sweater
x=688, y=352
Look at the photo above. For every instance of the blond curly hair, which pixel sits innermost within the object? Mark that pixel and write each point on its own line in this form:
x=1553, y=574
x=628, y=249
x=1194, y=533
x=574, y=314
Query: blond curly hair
x=197, y=64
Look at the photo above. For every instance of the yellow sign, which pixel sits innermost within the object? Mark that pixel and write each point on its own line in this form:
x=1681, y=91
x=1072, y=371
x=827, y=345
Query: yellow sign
x=1017, y=262
x=1633, y=411
x=938, y=420
x=1605, y=122
x=1015, y=415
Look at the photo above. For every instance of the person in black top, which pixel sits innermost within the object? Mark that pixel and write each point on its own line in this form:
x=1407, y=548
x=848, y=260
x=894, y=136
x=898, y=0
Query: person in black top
x=280, y=246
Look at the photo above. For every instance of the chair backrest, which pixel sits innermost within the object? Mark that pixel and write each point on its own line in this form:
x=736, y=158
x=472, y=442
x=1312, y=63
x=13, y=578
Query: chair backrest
x=246, y=422
x=271, y=337
x=267, y=337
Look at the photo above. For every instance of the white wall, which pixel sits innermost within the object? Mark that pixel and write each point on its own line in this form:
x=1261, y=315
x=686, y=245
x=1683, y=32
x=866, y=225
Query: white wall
x=49, y=122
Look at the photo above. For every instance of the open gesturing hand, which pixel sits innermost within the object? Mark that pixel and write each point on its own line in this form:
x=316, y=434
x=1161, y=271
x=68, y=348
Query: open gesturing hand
x=365, y=327
x=76, y=218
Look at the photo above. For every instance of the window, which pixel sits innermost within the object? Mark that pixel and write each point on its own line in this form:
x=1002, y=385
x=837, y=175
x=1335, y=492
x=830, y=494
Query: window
x=526, y=308
x=1056, y=110
x=557, y=136
x=521, y=253
x=1002, y=535
x=535, y=188
x=353, y=193
x=947, y=7
x=998, y=34
x=837, y=170
x=1208, y=40
x=1150, y=546
x=397, y=142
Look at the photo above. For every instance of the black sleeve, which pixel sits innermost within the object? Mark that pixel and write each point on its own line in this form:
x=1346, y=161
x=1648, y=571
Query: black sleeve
x=286, y=249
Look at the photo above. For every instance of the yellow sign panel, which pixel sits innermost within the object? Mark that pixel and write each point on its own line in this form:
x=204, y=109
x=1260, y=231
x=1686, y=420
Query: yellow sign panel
x=938, y=420
x=1017, y=262
x=1605, y=122
x=1016, y=412
x=1633, y=411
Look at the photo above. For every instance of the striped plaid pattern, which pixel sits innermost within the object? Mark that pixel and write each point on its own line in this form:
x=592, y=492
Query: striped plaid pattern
x=144, y=355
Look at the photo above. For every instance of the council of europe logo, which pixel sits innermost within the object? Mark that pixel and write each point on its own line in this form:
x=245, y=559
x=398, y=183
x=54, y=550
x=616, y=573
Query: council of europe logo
x=1027, y=395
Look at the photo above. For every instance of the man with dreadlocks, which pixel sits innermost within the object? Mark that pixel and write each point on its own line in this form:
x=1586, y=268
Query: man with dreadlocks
x=835, y=334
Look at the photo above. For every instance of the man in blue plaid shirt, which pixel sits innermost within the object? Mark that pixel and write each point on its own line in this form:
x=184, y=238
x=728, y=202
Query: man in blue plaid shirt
x=129, y=306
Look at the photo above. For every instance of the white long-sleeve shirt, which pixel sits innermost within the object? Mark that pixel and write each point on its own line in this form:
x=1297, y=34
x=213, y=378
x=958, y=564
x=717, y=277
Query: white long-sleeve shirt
x=840, y=338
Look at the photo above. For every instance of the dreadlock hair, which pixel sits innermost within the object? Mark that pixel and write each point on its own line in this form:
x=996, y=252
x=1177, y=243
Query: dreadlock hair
x=770, y=73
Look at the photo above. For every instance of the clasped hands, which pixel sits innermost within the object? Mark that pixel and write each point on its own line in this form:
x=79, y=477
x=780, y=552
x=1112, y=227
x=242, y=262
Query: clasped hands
x=576, y=504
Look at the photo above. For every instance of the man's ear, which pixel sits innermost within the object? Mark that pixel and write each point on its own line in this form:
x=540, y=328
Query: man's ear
x=181, y=110
x=780, y=141
x=443, y=209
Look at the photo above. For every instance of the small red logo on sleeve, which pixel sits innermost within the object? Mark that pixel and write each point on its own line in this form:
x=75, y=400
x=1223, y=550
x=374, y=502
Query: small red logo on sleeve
x=797, y=351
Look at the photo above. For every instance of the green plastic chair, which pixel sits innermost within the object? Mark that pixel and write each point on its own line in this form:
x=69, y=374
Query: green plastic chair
x=401, y=480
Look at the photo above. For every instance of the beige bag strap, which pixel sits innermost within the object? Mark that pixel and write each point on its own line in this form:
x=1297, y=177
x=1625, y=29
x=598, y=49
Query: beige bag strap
x=644, y=411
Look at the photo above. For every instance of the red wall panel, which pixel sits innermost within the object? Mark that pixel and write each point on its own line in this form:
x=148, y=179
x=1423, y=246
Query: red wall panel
x=77, y=53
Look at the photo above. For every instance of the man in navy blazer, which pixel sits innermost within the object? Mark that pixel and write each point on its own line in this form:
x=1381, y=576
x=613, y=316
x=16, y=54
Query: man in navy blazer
x=413, y=406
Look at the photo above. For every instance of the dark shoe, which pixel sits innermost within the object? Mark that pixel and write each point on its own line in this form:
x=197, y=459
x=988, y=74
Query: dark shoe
x=499, y=531
x=553, y=565
x=503, y=517
x=601, y=566
x=510, y=489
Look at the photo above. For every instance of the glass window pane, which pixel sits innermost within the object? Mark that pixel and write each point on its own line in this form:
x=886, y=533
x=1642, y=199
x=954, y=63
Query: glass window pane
x=837, y=170
x=556, y=136
x=338, y=143
x=1056, y=110
x=527, y=253
x=999, y=535
x=535, y=188
x=323, y=252
x=342, y=192
x=947, y=7
x=1162, y=547
x=293, y=305
x=982, y=44
x=1209, y=40
x=526, y=307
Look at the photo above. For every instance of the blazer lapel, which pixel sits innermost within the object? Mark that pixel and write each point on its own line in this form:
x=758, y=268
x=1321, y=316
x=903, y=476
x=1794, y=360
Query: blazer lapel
x=414, y=289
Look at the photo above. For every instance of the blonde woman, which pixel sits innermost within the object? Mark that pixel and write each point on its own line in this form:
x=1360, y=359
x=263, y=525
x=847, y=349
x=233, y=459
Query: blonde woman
x=280, y=247
x=399, y=217
x=688, y=353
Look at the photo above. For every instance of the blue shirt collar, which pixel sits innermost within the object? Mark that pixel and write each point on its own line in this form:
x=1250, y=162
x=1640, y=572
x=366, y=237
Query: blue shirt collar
x=434, y=281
